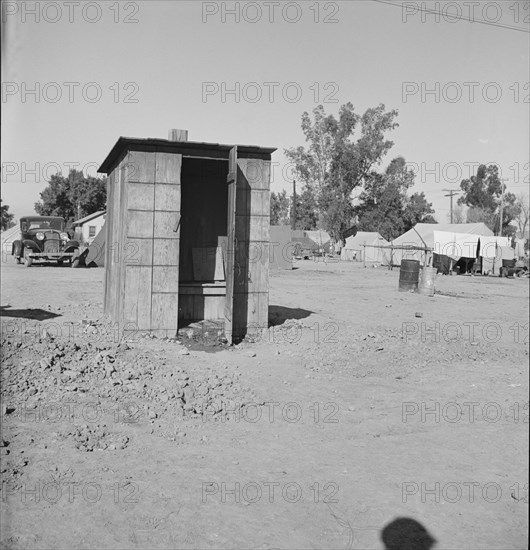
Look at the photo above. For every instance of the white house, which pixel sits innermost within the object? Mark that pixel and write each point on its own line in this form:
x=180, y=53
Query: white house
x=88, y=227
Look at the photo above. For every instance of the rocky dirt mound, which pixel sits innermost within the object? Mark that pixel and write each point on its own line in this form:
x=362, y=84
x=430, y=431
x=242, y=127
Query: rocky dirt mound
x=148, y=379
x=96, y=437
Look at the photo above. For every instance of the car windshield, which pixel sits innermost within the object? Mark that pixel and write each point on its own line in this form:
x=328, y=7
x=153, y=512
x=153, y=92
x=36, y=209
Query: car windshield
x=45, y=224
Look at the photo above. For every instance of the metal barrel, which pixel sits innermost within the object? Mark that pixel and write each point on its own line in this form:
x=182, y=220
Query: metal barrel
x=426, y=286
x=409, y=274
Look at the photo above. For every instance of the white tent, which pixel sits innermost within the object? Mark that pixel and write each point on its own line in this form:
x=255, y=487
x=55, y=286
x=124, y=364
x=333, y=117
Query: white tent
x=363, y=247
x=6, y=239
x=520, y=240
x=320, y=237
x=422, y=236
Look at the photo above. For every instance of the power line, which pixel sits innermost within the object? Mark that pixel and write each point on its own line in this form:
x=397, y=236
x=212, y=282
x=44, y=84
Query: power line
x=451, y=194
x=483, y=21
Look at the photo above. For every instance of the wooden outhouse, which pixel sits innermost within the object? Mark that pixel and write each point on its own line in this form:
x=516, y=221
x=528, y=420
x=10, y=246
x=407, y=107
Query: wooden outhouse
x=187, y=234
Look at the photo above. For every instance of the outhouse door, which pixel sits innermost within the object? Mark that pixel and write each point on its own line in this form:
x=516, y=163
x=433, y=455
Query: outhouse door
x=230, y=252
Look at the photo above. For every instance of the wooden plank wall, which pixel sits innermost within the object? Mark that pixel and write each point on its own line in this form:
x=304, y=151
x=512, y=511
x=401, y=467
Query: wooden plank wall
x=141, y=289
x=114, y=239
x=199, y=307
x=108, y=232
x=166, y=243
x=251, y=288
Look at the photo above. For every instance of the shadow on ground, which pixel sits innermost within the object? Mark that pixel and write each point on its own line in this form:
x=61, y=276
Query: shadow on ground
x=406, y=534
x=35, y=314
x=279, y=314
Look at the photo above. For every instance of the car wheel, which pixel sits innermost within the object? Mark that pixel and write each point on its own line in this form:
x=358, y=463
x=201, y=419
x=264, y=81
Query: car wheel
x=59, y=262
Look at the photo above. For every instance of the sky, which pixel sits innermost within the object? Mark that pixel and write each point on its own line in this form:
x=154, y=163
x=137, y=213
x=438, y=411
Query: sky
x=77, y=75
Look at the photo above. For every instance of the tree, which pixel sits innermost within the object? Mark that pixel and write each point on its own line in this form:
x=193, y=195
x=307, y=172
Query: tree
x=510, y=211
x=482, y=193
x=73, y=197
x=280, y=208
x=476, y=214
x=306, y=210
x=340, y=155
x=417, y=210
x=459, y=216
x=385, y=206
x=7, y=217
x=522, y=217
x=381, y=207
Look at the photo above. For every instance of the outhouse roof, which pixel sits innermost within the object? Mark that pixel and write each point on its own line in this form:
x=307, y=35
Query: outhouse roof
x=185, y=148
x=81, y=221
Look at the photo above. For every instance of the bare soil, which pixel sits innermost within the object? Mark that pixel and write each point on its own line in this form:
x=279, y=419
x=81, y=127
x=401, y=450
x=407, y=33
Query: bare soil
x=357, y=406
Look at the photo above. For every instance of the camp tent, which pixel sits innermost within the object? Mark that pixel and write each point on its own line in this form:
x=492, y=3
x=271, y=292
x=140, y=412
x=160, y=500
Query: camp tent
x=320, y=238
x=311, y=241
x=281, y=249
x=96, y=250
x=520, y=240
x=7, y=238
x=363, y=247
x=493, y=251
x=422, y=235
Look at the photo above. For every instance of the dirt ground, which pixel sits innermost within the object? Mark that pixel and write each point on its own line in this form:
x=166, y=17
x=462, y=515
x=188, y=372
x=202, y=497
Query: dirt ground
x=358, y=406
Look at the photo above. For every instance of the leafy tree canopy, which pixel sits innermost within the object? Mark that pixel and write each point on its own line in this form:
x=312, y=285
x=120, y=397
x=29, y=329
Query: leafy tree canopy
x=7, y=217
x=72, y=197
x=280, y=208
x=482, y=193
x=307, y=217
x=339, y=156
x=384, y=205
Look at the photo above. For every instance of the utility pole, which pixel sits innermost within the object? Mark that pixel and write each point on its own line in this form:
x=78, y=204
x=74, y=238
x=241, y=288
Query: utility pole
x=293, y=207
x=451, y=194
x=501, y=208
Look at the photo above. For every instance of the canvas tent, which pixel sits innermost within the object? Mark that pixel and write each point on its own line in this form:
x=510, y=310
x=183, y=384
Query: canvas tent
x=422, y=236
x=355, y=248
x=280, y=247
x=493, y=251
x=520, y=240
x=7, y=238
x=96, y=250
x=320, y=238
x=310, y=241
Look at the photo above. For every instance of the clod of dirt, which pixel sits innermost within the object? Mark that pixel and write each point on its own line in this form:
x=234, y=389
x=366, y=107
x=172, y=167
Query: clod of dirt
x=90, y=438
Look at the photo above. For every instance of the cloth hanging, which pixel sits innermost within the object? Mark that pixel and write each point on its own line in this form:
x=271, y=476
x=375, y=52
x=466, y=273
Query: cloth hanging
x=489, y=245
x=456, y=245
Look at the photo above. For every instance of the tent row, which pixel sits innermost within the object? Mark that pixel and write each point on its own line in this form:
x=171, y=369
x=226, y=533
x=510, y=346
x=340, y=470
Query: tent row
x=469, y=246
x=453, y=244
x=366, y=246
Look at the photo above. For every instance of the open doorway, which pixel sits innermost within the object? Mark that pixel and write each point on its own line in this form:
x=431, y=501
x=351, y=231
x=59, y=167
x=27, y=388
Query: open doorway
x=203, y=230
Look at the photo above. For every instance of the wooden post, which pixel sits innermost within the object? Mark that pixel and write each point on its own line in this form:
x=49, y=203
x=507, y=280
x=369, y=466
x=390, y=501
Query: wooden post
x=293, y=207
x=364, y=254
x=176, y=134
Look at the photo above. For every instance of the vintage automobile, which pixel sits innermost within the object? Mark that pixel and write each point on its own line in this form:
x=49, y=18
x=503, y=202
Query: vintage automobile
x=45, y=238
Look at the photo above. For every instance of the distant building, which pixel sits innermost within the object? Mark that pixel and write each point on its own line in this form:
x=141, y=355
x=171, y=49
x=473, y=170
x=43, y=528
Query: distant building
x=88, y=227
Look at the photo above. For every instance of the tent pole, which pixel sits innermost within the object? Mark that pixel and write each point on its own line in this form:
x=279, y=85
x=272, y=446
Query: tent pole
x=364, y=254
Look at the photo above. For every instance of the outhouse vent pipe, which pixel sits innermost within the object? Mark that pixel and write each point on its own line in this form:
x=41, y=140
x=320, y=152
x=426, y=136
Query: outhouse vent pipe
x=176, y=134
